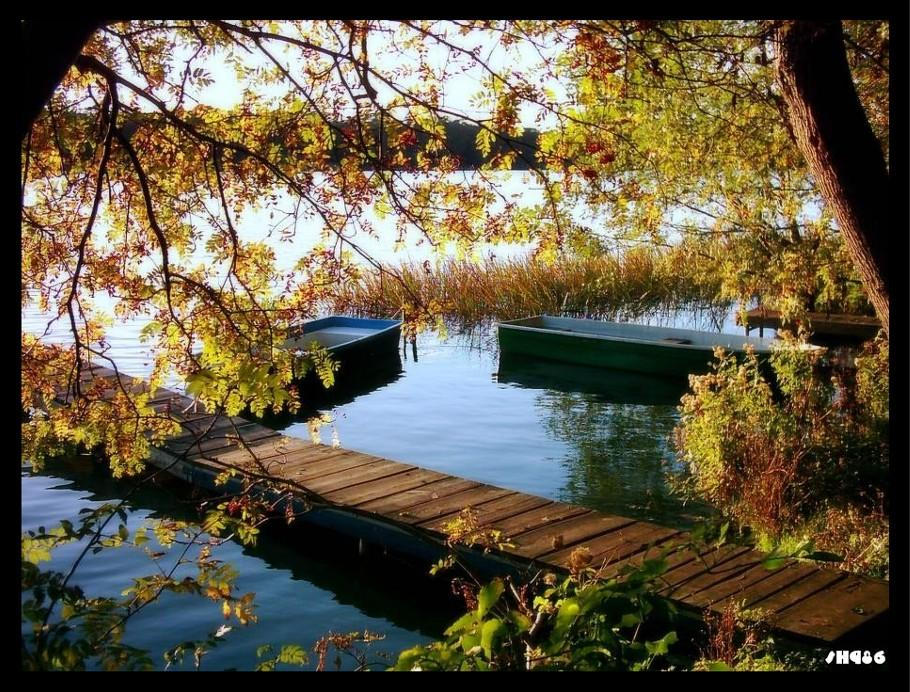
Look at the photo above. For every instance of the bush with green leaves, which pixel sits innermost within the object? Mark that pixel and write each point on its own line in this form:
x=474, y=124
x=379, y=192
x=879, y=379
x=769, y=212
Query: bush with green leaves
x=578, y=623
x=800, y=455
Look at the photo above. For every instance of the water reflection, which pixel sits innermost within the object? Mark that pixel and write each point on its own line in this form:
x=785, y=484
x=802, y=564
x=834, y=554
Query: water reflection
x=608, y=385
x=616, y=428
x=379, y=588
x=356, y=377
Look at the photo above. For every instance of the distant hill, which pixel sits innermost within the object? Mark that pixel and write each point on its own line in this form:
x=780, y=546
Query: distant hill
x=460, y=137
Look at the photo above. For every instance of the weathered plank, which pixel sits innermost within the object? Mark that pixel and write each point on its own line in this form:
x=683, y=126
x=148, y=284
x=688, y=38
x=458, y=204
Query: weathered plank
x=533, y=519
x=325, y=463
x=374, y=470
x=571, y=531
x=728, y=570
x=756, y=580
x=221, y=439
x=490, y=512
x=268, y=448
x=828, y=613
x=448, y=507
x=712, y=563
x=615, y=545
x=390, y=505
x=383, y=487
x=817, y=581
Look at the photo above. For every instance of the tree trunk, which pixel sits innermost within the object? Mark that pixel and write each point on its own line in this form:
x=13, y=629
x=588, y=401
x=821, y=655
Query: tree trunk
x=832, y=131
x=48, y=47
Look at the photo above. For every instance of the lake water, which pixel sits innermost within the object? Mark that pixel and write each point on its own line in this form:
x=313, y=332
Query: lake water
x=588, y=437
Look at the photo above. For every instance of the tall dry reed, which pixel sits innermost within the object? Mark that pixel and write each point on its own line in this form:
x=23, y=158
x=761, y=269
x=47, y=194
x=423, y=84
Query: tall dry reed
x=607, y=286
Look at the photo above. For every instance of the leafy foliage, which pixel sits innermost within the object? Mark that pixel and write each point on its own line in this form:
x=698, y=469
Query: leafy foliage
x=663, y=133
x=72, y=631
x=739, y=640
x=578, y=623
x=799, y=460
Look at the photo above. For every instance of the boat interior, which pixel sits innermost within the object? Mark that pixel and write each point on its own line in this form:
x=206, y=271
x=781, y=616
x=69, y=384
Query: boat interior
x=638, y=332
x=330, y=332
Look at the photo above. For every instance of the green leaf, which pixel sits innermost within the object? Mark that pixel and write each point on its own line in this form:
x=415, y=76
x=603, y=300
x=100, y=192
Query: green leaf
x=522, y=622
x=488, y=633
x=196, y=382
x=566, y=615
x=772, y=563
x=662, y=646
x=292, y=654
x=488, y=596
x=461, y=624
x=718, y=666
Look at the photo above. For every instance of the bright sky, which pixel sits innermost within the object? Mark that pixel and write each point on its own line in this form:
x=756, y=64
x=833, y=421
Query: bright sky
x=459, y=88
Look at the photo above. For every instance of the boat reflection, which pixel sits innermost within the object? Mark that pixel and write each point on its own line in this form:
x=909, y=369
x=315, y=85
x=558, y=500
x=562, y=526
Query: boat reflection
x=356, y=377
x=617, y=427
x=612, y=386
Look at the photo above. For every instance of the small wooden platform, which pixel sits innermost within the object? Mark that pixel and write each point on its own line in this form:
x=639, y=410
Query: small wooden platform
x=823, y=325
x=398, y=504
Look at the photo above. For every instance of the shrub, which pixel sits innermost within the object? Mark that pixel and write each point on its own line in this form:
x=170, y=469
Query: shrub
x=802, y=455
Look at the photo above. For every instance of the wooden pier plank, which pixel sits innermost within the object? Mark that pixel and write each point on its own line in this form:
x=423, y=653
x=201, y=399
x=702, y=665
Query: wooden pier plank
x=714, y=562
x=755, y=580
x=268, y=448
x=819, y=580
x=534, y=519
x=222, y=440
x=728, y=571
x=391, y=505
x=823, y=324
x=569, y=532
x=384, y=487
x=615, y=545
x=834, y=611
x=333, y=461
x=371, y=471
x=491, y=512
x=449, y=507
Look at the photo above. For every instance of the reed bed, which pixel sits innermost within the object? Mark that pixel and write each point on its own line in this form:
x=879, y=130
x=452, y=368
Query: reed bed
x=625, y=286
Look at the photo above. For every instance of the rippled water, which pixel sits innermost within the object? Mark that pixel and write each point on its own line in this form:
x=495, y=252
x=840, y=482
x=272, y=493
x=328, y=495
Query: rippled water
x=304, y=588
x=566, y=433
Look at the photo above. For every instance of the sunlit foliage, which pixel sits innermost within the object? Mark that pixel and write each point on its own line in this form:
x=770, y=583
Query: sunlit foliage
x=801, y=457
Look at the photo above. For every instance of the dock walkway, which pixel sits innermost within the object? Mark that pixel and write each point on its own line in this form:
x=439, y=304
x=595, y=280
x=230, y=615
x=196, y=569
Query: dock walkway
x=388, y=502
x=831, y=327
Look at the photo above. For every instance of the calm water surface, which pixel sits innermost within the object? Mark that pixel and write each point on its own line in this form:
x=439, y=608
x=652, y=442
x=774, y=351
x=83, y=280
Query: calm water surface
x=585, y=436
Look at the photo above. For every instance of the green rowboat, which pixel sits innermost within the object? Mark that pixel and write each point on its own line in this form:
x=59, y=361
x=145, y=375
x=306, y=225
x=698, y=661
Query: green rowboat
x=621, y=346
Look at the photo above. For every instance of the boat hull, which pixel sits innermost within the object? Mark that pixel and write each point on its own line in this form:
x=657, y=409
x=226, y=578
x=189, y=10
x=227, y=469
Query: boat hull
x=601, y=351
x=357, y=344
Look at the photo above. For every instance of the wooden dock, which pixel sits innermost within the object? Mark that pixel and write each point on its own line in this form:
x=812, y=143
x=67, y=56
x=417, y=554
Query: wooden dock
x=828, y=327
x=405, y=507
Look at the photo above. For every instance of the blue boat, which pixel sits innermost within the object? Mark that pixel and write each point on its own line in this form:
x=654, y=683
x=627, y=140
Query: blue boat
x=349, y=340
